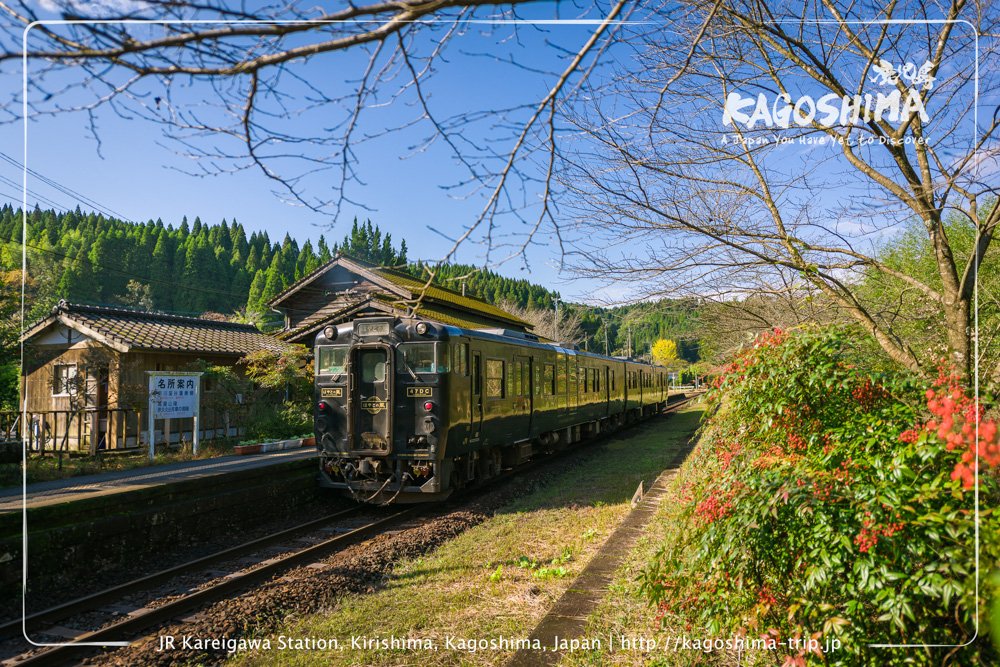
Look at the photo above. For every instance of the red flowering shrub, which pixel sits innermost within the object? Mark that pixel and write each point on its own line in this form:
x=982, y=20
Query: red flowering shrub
x=823, y=501
x=959, y=422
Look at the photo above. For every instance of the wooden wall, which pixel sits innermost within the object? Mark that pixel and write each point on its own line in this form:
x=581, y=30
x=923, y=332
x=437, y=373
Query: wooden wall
x=120, y=419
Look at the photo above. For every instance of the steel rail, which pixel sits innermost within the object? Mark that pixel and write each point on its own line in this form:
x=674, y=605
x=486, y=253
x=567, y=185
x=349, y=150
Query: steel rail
x=149, y=617
x=93, y=601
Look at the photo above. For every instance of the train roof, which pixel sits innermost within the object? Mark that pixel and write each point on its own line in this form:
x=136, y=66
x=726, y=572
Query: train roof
x=530, y=340
x=445, y=331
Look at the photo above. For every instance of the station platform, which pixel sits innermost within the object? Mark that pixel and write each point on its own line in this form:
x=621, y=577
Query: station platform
x=41, y=494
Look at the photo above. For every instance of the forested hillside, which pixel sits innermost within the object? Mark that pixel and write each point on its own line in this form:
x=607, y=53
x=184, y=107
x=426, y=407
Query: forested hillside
x=193, y=268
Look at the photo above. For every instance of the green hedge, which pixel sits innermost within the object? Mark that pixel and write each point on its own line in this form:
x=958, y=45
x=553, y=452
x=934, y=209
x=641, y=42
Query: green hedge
x=824, y=502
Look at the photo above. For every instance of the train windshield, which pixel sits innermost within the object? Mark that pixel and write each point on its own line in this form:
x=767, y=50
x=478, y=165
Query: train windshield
x=331, y=359
x=419, y=357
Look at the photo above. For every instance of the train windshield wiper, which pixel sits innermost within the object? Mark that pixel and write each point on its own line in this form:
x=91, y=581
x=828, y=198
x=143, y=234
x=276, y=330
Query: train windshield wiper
x=402, y=358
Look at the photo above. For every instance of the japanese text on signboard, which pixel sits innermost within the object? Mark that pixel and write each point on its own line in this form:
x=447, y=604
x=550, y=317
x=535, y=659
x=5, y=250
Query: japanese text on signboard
x=173, y=396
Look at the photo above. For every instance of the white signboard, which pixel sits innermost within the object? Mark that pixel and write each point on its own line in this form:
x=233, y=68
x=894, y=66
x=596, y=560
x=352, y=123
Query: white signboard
x=173, y=395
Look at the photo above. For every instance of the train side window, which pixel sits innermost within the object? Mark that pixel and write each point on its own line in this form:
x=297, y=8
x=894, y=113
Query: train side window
x=597, y=379
x=515, y=379
x=612, y=373
x=525, y=378
x=549, y=380
x=461, y=363
x=495, y=380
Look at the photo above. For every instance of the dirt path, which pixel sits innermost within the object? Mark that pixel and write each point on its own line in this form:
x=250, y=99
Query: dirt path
x=567, y=619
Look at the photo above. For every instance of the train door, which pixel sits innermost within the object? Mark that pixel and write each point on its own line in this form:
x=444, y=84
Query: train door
x=607, y=390
x=521, y=376
x=477, y=396
x=371, y=375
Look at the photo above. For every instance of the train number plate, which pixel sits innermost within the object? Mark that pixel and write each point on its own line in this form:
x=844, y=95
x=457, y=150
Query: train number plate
x=419, y=392
x=331, y=392
x=373, y=405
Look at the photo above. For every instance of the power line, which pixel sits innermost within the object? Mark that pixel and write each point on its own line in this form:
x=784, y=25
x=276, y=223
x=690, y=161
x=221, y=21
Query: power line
x=36, y=195
x=111, y=213
x=66, y=190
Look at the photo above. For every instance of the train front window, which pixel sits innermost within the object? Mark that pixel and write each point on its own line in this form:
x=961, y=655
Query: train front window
x=372, y=366
x=419, y=357
x=331, y=359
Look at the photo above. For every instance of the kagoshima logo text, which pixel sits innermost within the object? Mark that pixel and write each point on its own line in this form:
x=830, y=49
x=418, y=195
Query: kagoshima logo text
x=894, y=105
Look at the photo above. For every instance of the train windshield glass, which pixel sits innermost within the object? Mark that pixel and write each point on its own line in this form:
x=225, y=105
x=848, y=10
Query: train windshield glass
x=419, y=357
x=331, y=359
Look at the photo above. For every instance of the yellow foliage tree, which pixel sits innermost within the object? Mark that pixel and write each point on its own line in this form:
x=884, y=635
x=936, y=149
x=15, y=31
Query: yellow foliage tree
x=664, y=351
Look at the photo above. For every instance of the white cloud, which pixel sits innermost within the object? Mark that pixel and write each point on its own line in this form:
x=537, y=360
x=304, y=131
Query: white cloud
x=94, y=8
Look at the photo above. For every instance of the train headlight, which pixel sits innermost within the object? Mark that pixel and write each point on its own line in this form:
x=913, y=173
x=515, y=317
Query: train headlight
x=330, y=333
x=421, y=328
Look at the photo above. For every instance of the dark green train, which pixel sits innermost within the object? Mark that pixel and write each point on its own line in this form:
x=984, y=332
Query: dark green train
x=409, y=410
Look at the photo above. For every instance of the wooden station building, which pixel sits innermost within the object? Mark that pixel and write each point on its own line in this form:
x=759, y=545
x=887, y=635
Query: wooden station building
x=89, y=363
x=346, y=288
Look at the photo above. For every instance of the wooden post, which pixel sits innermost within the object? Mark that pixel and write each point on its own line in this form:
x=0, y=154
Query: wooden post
x=95, y=427
x=197, y=411
x=152, y=437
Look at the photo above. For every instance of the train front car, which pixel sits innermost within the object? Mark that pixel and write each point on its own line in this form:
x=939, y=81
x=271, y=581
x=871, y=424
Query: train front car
x=381, y=387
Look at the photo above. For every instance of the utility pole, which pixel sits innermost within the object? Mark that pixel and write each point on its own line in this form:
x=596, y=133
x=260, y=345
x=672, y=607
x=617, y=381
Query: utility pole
x=628, y=328
x=607, y=353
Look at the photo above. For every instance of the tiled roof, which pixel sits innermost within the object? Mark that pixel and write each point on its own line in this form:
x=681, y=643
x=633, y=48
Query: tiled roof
x=434, y=296
x=447, y=296
x=125, y=328
x=428, y=310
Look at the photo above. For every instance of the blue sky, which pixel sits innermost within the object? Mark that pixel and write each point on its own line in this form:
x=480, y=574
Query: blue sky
x=135, y=171
x=402, y=187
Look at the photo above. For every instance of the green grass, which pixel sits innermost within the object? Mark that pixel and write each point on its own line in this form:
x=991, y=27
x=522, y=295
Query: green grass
x=499, y=578
x=623, y=612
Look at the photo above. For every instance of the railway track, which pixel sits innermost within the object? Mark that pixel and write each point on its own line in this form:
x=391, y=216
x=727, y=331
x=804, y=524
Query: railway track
x=141, y=619
x=150, y=616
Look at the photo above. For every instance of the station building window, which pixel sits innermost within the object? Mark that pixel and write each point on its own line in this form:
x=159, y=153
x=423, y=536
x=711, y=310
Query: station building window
x=63, y=377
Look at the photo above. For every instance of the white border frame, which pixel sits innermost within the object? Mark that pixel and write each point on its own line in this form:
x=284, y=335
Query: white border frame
x=596, y=22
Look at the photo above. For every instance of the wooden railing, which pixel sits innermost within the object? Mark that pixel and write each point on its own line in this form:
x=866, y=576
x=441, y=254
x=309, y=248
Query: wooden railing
x=113, y=429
